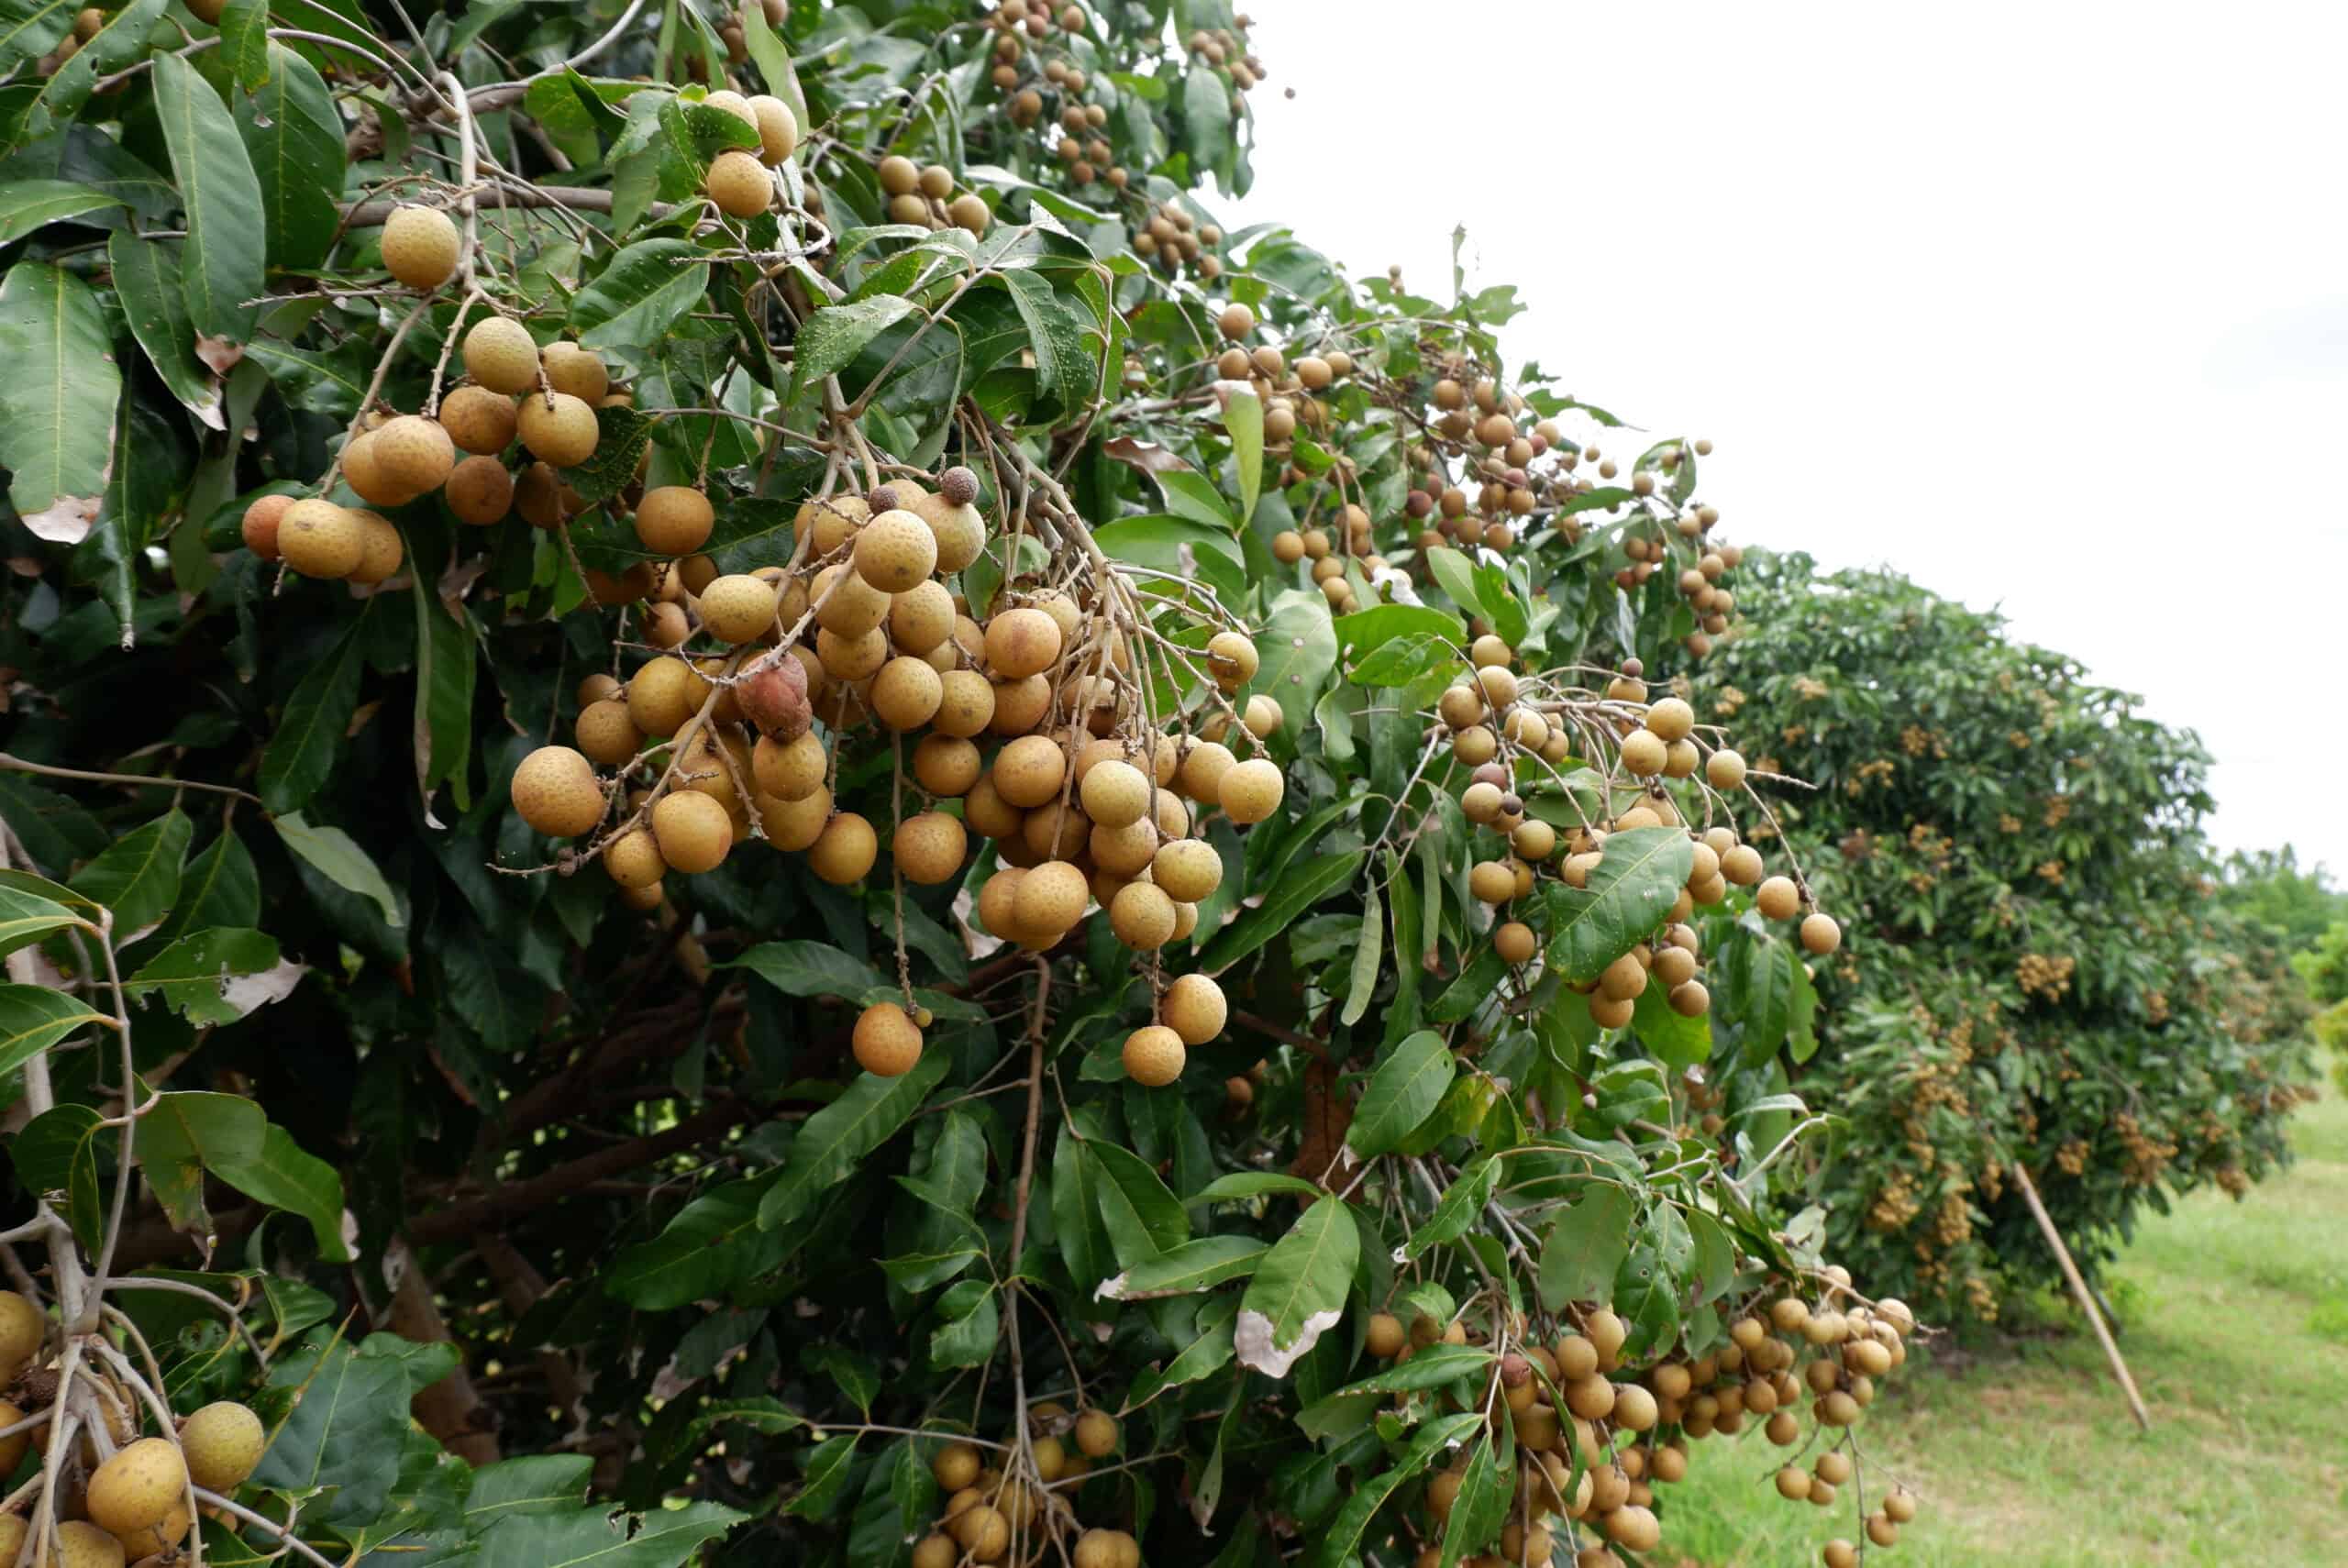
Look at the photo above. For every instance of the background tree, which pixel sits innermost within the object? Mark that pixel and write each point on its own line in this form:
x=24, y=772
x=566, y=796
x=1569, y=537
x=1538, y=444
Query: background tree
x=578, y=684
x=2042, y=965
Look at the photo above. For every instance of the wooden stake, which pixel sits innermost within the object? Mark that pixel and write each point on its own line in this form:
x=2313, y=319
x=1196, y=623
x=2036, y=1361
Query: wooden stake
x=2079, y=1294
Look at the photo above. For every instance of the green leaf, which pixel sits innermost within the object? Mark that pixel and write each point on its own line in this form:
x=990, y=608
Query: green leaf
x=1586, y=1245
x=442, y=732
x=345, y=1431
x=58, y=1152
x=34, y=1017
x=532, y=1483
x=1297, y=891
x=1715, y=1259
x=1300, y=1288
x=639, y=294
x=285, y=1175
x=834, y=335
x=1296, y=649
x=1381, y=624
x=713, y=1242
x=1632, y=888
x=338, y=856
x=1402, y=1093
x=58, y=401
x=1076, y=1218
x=1456, y=575
x=1646, y=1295
x=1194, y=496
x=147, y=282
x=27, y=917
x=1240, y=1184
x=1500, y=606
x=1200, y=1264
x=1462, y=1204
x=969, y=1321
x=244, y=41
x=802, y=969
x=1206, y=116
x=293, y=138
x=828, y=1147
x=1207, y=1354
x=1368, y=955
x=773, y=62
x=1680, y=1042
x=1338, y=1544
x=1407, y=658
x=181, y=1134
x=223, y=262
x=139, y=875
x=61, y=92
x=590, y=1538
x=1757, y=977
x=27, y=205
x=32, y=27
x=1802, y=1034
x=1062, y=370
x=1142, y=1194
x=310, y=732
x=1243, y=420
x=192, y=974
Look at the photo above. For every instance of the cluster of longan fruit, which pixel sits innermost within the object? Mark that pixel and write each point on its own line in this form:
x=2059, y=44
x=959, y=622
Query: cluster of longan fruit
x=739, y=181
x=1227, y=50
x=993, y=1514
x=1085, y=803
x=121, y=1497
x=924, y=195
x=1571, y=1410
x=1048, y=89
x=1173, y=239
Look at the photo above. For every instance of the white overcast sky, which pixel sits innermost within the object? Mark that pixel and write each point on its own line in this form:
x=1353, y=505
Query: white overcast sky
x=2042, y=304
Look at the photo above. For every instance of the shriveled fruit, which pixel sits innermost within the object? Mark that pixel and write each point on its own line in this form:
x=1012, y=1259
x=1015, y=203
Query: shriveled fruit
x=421, y=246
x=740, y=185
x=845, y=850
x=318, y=538
x=693, y=831
x=886, y=1041
x=773, y=696
x=558, y=428
x=1153, y=1055
x=478, y=420
x=674, y=520
x=556, y=792
x=136, y=1488
x=501, y=355
x=1194, y=1007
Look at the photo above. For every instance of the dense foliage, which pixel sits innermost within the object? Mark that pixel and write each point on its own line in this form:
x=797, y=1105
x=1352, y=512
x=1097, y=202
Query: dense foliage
x=926, y=523
x=2040, y=967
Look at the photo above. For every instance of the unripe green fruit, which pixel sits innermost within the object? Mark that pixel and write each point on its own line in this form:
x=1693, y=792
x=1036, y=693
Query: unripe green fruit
x=556, y=792
x=558, y=429
x=136, y=1488
x=420, y=247
x=318, y=538
x=501, y=355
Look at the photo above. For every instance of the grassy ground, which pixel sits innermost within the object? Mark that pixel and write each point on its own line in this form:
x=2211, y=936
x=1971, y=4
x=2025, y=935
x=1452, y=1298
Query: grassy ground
x=2025, y=1455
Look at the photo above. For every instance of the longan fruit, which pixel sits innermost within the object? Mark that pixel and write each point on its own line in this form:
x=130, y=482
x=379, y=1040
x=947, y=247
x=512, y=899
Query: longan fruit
x=606, y=734
x=81, y=1544
x=1231, y=659
x=1029, y=771
x=1777, y=898
x=929, y=848
x=1724, y=769
x=501, y=355
x=1475, y=745
x=674, y=520
x=1153, y=1055
x=741, y=609
x=1048, y=902
x=1740, y=865
x=558, y=428
x=1900, y=1505
x=380, y=550
x=1264, y=717
x=1250, y=791
x=259, y=527
x=945, y=765
x=136, y=1488
x=795, y=824
x=1821, y=935
x=479, y=491
x=1021, y=642
x=405, y=457
x=1096, y=1434
x=478, y=420
x=1644, y=754
x=954, y=1467
x=921, y=618
x=318, y=538
x=895, y=551
x=576, y=370
x=739, y=183
x=1514, y=942
x=789, y=770
x=1834, y=1466
x=1491, y=882
x=844, y=603
x=556, y=792
x=1194, y=1007
x=778, y=128
x=969, y=212
x=693, y=831
x=1385, y=1338
x=905, y=694
x=633, y=859
x=166, y=1532
x=12, y=1449
x=1188, y=868
x=1236, y=322
x=1142, y=916
x=887, y=1042
x=421, y=246
x=1115, y=793
x=986, y=814
x=1840, y=1553
x=844, y=851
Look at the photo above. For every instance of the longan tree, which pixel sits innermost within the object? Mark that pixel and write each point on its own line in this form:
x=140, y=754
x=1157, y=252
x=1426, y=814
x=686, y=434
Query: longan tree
x=751, y=800
x=2044, y=968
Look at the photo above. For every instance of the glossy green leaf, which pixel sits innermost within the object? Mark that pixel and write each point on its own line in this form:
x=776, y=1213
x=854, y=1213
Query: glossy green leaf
x=803, y=968
x=293, y=138
x=58, y=404
x=285, y=1175
x=834, y=335
x=139, y=875
x=181, y=1135
x=34, y=1017
x=841, y=1134
x=1432, y=1441
x=1638, y=875
x=221, y=261
x=342, y=861
x=195, y=974
x=1586, y=1245
x=58, y=1154
x=147, y=284
x=1403, y=1092
x=1297, y=891
x=1194, y=1266
x=639, y=294
x=27, y=205
x=1299, y=1290
x=27, y=917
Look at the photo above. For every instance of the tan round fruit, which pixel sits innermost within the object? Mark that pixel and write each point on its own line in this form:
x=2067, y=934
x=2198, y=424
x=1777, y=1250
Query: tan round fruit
x=1096, y=1434
x=501, y=355
x=1231, y=659
x=381, y=549
x=960, y=532
x=1250, y=791
x=844, y=851
x=797, y=823
x=1644, y=754
x=665, y=693
x=740, y=609
x=633, y=859
x=965, y=703
x=421, y=246
x=81, y=1544
x=1188, y=868
x=479, y=491
x=693, y=831
x=886, y=1041
x=1740, y=865
x=740, y=185
x=895, y=551
x=556, y=792
x=12, y=1449
x=558, y=428
x=1021, y=642
x=606, y=734
x=139, y=1545
x=1142, y=916
x=1021, y=705
x=844, y=603
x=778, y=128
x=1820, y=934
x=1194, y=1009
x=1029, y=771
x=576, y=370
x=138, y=1487
x=1670, y=719
x=905, y=694
x=1115, y=793
x=930, y=848
x=479, y=420
x=789, y=770
x=318, y=538
x=1777, y=898
x=259, y=527
x=674, y=520
x=1514, y=942
x=1724, y=769
x=1153, y=1055
x=1200, y=774
x=921, y=618
x=1050, y=899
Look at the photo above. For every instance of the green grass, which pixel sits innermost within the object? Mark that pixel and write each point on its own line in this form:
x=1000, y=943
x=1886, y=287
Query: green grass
x=2023, y=1451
